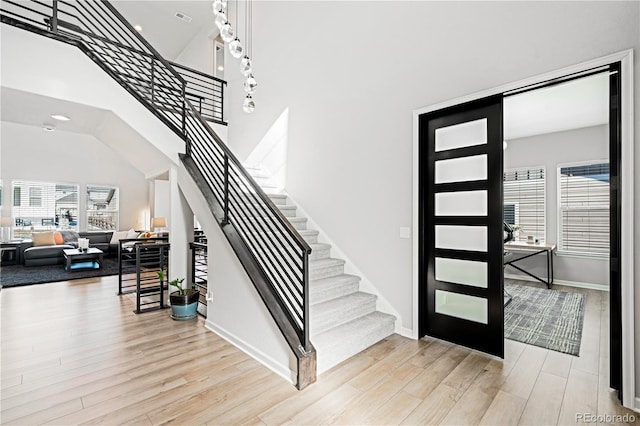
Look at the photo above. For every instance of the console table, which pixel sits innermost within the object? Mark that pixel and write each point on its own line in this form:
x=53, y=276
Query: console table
x=530, y=250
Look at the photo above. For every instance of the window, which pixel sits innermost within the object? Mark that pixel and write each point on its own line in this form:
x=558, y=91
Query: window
x=35, y=197
x=524, y=201
x=583, y=225
x=102, y=208
x=50, y=206
x=17, y=196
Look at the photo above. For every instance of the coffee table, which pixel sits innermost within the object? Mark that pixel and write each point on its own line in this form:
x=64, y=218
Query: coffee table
x=76, y=259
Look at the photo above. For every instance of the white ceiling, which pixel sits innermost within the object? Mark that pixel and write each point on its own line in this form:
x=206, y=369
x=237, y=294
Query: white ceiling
x=166, y=33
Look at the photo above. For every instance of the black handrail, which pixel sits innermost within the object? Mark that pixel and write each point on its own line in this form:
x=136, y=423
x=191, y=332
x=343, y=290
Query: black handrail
x=106, y=37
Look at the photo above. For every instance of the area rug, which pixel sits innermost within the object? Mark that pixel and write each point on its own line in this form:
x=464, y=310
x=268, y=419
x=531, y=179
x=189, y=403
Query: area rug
x=550, y=319
x=15, y=275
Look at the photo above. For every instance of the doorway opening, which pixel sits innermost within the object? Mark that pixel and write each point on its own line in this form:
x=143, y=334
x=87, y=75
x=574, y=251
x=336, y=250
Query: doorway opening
x=620, y=216
x=556, y=210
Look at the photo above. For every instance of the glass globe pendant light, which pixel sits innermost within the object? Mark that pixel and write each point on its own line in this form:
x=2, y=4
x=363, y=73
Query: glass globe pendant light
x=221, y=19
x=226, y=32
x=245, y=66
x=219, y=5
x=250, y=85
x=248, y=105
x=235, y=47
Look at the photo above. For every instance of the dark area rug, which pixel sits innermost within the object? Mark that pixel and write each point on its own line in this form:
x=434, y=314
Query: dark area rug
x=15, y=275
x=550, y=319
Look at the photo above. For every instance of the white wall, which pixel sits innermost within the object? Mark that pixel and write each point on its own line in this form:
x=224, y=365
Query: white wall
x=198, y=54
x=350, y=91
x=30, y=153
x=550, y=150
x=351, y=73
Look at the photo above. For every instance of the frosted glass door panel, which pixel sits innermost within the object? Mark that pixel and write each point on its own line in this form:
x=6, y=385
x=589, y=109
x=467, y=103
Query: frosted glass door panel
x=461, y=169
x=459, y=237
x=461, y=135
x=462, y=306
x=467, y=272
x=461, y=203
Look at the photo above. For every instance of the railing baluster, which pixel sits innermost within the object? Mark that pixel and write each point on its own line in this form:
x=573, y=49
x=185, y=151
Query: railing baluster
x=226, y=190
x=54, y=17
x=305, y=295
x=153, y=68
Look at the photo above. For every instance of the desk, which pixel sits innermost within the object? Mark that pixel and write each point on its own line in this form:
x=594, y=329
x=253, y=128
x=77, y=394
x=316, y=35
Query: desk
x=532, y=250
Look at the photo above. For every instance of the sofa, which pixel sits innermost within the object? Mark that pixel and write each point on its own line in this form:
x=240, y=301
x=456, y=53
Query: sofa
x=40, y=251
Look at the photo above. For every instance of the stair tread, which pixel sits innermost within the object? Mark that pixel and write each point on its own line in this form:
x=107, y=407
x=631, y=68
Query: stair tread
x=337, y=279
x=297, y=219
x=338, y=335
x=323, y=263
x=339, y=303
x=319, y=246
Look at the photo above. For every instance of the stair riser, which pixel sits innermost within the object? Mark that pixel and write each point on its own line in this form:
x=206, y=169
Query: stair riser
x=323, y=321
x=322, y=295
x=329, y=357
x=299, y=225
x=311, y=239
x=331, y=271
x=320, y=253
x=289, y=212
x=278, y=201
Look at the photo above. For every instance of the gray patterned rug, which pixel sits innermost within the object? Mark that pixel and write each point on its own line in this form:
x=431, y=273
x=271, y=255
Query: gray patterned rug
x=550, y=319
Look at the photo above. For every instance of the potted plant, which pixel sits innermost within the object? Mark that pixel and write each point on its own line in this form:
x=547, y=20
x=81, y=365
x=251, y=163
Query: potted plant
x=184, y=301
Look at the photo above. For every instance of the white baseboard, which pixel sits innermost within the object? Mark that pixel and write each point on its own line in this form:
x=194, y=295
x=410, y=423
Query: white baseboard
x=408, y=333
x=261, y=357
x=577, y=284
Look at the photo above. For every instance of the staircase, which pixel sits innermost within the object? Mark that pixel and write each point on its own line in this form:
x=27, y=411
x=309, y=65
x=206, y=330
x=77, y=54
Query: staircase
x=306, y=292
x=343, y=320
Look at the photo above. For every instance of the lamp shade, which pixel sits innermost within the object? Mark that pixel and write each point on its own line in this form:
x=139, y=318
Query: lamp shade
x=159, y=222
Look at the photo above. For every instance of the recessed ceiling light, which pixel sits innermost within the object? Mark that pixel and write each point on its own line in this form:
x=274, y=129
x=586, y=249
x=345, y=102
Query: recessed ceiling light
x=138, y=28
x=48, y=127
x=220, y=68
x=182, y=16
x=60, y=117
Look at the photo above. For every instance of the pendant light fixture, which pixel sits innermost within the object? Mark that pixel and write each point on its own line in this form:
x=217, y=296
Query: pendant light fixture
x=246, y=66
x=236, y=47
x=248, y=105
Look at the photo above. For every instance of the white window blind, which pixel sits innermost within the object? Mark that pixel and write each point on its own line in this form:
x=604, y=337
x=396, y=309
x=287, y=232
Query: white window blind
x=584, y=209
x=44, y=206
x=102, y=208
x=524, y=201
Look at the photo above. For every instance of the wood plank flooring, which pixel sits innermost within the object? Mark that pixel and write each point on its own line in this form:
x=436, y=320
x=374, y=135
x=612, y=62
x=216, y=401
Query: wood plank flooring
x=75, y=353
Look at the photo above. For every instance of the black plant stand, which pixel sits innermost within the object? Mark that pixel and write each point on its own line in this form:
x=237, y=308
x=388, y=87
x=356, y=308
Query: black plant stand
x=140, y=262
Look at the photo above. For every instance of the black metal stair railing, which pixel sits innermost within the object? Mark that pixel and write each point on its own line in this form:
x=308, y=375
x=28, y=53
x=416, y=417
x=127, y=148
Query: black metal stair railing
x=276, y=248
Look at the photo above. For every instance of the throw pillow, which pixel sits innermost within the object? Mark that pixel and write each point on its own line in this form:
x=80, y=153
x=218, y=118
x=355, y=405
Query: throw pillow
x=69, y=236
x=58, y=238
x=117, y=236
x=43, y=239
x=131, y=234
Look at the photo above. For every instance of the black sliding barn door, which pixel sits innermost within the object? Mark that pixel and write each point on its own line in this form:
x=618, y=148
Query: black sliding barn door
x=461, y=238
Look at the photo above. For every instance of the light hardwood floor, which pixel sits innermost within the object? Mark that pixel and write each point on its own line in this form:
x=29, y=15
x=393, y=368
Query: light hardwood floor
x=75, y=353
